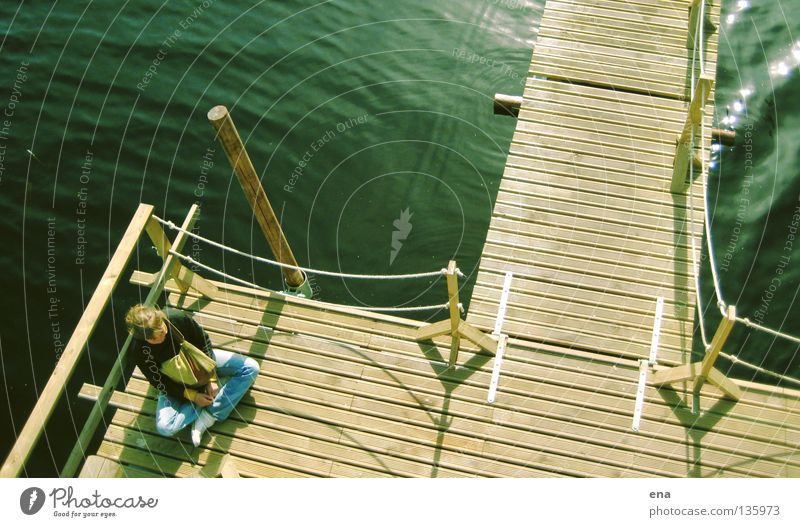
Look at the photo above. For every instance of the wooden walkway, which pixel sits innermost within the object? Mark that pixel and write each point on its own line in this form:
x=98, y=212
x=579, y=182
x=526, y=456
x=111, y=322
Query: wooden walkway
x=584, y=217
x=585, y=221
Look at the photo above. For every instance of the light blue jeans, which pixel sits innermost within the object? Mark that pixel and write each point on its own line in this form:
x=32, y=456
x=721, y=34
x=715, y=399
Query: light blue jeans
x=173, y=415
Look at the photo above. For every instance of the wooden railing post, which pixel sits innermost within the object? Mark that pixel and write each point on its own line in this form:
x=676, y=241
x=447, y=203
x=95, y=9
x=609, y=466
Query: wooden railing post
x=29, y=436
x=454, y=326
x=704, y=371
x=167, y=271
x=720, y=336
x=684, y=152
x=251, y=185
x=185, y=278
x=694, y=17
x=455, y=314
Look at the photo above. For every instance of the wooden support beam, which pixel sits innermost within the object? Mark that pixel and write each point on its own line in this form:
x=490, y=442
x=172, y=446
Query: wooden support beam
x=254, y=192
x=484, y=341
x=684, y=152
x=167, y=270
x=507, y=104
x=690, y=372
x=455, y=314
x=73, y=351
x=434, y=330
x=728, y=387
x=681, y=373
x=725, y=137
x=184, y=277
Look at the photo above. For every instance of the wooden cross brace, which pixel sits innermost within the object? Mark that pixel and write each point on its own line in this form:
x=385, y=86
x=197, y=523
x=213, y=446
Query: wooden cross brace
x=454, y=326
x=704, y=371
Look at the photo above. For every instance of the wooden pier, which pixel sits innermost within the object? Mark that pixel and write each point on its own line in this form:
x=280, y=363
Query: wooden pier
x=591, y=223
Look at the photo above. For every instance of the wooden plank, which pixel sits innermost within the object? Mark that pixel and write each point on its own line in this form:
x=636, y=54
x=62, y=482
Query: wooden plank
x=565, y=30
x=568, y=276
x=499, y=241
x=673, y=68
x=511, y=230
x=524, y=143
x=125, y=445
x=520, y=320
x=402, y=466
x=627, y=103
x=420, y=367
x=654, y=23
x=32, y=430
x=571, y=179
x=672, y=12
x=100, y=467
x=522, y=305
x=578, y=68
x=600, y=135
x=542, y=215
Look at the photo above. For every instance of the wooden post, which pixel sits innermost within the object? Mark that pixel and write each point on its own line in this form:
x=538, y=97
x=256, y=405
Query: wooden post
x=43, y=409
x=725, y=137
x=703, y=371
x=185, y=278
x=507, y=104
x=694, y=18
x=691, y=128
x=167, y=270
x=454, y=326
x=721, y=335
x=455, y=314
x=251, y=185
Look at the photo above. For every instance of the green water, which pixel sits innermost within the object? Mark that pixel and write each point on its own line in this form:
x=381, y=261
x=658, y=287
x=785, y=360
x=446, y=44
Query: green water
x=358, y=115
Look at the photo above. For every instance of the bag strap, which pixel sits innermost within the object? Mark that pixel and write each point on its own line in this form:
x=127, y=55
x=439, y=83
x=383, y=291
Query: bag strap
x=175, y=328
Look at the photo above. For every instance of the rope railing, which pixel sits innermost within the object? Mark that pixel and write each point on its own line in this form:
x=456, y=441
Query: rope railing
x=695, y=267
x=191, y=261
x=698, y=58
x=260, y=259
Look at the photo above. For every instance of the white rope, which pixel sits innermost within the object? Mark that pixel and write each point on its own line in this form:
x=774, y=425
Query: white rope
x=690, y=223
x=172, y=226
x=192, y=261
x=699, y=34
x=737, y=360
x=749, y=323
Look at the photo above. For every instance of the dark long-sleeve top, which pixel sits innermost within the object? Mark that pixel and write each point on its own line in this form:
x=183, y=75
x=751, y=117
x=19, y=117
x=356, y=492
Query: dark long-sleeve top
x=149, y=357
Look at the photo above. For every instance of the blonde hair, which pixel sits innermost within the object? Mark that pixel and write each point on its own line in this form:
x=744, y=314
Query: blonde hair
x=142, y=321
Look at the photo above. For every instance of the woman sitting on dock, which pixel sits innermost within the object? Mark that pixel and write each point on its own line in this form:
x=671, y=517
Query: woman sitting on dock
x=189, y=391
